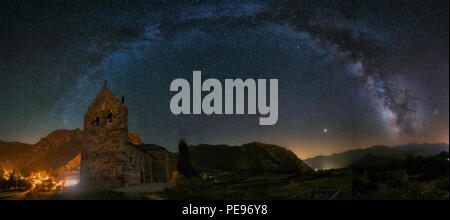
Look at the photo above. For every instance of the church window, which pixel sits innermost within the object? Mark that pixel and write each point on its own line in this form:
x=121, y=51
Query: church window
x=97, y=121
x=110, y=118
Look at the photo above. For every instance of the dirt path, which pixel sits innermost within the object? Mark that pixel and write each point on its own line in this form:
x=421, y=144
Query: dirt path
x=15, y=196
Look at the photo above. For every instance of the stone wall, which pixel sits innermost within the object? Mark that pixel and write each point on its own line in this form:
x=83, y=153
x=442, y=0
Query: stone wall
x=109, y=166
x=105, y=137
x=138, y=166
x=109, y=157
x=161, y=165
x=102, y=167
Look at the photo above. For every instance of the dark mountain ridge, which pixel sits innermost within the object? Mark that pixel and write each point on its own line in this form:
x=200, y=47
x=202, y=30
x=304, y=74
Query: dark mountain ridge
x=62, y=147
x=49, y=153
x=346, y=158
x=256, y=157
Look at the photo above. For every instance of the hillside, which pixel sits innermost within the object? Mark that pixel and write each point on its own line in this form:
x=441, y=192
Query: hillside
x=255, y=157
x=71, y=169
x=370, y=161
x=50, y=153
x=11, y=151
x=60, y=151
x=346, y=158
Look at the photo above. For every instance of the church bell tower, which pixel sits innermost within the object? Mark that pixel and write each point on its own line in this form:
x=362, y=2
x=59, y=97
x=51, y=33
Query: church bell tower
x=105, y=139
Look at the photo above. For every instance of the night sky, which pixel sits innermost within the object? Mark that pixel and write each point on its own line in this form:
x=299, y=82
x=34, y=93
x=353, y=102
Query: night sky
x=351, y=74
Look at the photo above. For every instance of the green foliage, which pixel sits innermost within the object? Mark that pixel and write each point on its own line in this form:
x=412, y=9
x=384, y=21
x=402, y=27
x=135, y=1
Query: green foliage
x=373, y=164
x=12, y=182
x=3, y=183
x=431, y=167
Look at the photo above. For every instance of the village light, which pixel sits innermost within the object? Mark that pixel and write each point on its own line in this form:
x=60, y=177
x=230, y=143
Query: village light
x=71, y=182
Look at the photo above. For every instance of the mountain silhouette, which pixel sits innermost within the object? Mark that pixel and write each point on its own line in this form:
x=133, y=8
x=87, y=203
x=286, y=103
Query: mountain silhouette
x=256, y=157
x=60, y=152
x=347, y=158
x=50, y=153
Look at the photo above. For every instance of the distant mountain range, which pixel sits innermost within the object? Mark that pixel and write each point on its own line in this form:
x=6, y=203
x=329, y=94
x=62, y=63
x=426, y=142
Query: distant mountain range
x=347, y=158
x=61, y=149
x=60, y=152
x=256, y=157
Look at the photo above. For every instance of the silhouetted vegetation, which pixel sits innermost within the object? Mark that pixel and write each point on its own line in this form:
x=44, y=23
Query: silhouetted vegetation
x=184, y=163
x=428, y=168
x=410, y=178
x=12, y=181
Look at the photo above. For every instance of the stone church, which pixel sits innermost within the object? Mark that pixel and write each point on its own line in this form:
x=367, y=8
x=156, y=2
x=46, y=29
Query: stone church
x=109, y=157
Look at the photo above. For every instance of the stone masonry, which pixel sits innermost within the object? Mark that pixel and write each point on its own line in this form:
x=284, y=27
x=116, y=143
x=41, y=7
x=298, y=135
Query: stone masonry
x=108, y=159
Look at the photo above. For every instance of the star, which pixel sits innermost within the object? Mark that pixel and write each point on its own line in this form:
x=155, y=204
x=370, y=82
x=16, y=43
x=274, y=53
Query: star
x=378, y=82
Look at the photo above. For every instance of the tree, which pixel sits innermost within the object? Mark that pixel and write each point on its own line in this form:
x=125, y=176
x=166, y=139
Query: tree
x=12, y=181
x=3, y=183
x=184, y=163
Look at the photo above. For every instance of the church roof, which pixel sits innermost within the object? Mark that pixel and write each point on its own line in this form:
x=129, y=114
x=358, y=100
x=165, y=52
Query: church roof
x=106, y=94
x=146, y=147
x=106, y=97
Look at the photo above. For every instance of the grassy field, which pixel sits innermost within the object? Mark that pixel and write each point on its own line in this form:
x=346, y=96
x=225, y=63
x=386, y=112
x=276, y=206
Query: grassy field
x=335, y=184
x=340, y=184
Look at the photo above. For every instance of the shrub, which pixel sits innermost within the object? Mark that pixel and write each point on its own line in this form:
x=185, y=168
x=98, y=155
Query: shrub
x=359, y=187
x=185, y=164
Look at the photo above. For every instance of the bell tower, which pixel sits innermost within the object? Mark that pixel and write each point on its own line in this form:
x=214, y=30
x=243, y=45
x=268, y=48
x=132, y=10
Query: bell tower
x=107, y=117
x=105, y=141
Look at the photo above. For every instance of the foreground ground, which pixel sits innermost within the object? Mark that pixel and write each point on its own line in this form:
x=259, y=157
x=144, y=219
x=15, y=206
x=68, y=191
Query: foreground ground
x=333, y=184
x=221, y=185
x=14, y=195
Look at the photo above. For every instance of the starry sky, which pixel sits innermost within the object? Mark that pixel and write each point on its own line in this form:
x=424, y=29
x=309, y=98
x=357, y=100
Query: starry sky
x=351, y=73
